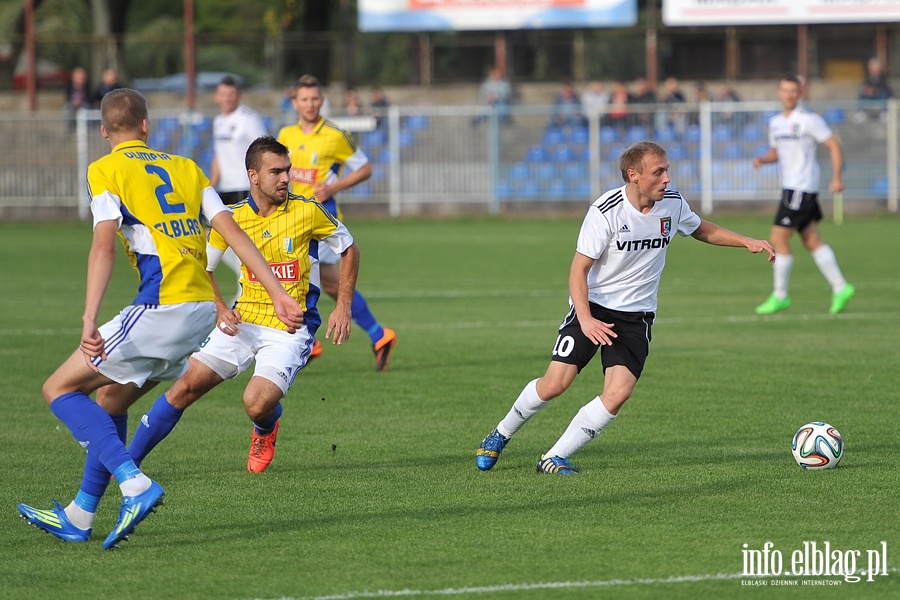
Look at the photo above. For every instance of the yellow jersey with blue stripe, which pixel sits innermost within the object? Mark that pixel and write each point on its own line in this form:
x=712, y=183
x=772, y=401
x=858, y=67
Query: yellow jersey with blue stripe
x=320, y=156
x=159, y=201
x=284, y=239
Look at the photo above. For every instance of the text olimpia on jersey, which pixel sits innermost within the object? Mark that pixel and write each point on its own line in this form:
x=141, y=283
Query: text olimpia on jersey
x=629, y=248
x=319, y=157
x=160, y=201
x=284, y=239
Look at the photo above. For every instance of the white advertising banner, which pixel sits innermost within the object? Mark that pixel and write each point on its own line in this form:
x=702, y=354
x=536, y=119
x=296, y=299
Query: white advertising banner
x=453, y=15
x=772, y=12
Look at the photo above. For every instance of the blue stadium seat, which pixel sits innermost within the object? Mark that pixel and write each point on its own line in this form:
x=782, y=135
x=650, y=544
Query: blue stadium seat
x=579, y=135
x=880, y=186
x=167, y=124
x=732, y=150
x=760, y=149
x=536, y=153
x=407, y=138
x=557, y=189
x=530, y=189
x=202, y=125
x=518, y=172
x=579, y=189
x=159, y=140
x=721, y=133
x=269, y=123
x=834, y=116
x=576, y=171
x=676, y=151
x=545, y=171
x=504, y=189
x=636, y=133
x=692, y=133
x=562, y=153
x=553, y=136
x=416, y=122
x=752, y=133
x=373, y=138
x=665, y=135
x=609, y=135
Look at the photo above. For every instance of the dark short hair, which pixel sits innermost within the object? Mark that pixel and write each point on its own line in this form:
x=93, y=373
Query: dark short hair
x=123, y=109
x=261, y=146
x=633, y=156
x=791, y=78
x=230, y=81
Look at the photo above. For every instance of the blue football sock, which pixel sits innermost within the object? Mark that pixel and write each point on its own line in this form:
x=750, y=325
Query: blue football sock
x=159, y=421
x=93, y=428
x=265, y=427
x=360, y=312
x=96, y=476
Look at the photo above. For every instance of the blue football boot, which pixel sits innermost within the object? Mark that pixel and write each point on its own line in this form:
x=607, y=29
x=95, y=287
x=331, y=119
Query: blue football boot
x=54, y=521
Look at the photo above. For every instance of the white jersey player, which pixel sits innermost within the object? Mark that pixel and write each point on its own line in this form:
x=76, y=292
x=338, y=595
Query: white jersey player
x=613, y=285
x=793, y=137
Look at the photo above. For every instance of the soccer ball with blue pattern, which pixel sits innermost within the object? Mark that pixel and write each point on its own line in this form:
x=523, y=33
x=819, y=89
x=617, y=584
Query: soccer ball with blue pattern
x=818, y=445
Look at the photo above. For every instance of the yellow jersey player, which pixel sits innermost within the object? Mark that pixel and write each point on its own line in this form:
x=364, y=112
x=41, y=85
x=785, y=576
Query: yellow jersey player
x=155, y=203
x=325, y=160
x=287, y=229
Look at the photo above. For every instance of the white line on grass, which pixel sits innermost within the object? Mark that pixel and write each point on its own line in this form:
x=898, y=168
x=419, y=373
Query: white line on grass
x=517, y=587
x=549, y=585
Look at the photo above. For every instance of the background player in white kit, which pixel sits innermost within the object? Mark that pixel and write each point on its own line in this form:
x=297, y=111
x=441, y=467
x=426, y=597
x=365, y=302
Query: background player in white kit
x=613, y=286
x=233, y=132
x=793, y=136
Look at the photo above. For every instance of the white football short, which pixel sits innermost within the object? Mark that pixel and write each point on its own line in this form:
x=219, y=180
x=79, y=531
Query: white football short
x=151, y=342
x=279, y=355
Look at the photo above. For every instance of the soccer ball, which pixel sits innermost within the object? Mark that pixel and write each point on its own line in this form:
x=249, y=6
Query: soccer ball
x=817, y=445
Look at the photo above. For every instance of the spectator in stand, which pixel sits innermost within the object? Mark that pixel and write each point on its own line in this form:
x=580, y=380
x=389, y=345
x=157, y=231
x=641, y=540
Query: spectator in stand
x=352, y=106
x=643, y=94
x=701, y=95
x=594, y=99
x=674, y=118
x=379, y=104
x=567, y=108
x=78, y=95
x=109, y=81
x=735, y=120
x=875, y=88
x=619, y=99
x=496, y=94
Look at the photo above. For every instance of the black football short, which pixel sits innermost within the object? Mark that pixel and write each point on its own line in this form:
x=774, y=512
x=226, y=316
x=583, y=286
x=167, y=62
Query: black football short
x=630, y=348
x=798, y=209
x=229, y=198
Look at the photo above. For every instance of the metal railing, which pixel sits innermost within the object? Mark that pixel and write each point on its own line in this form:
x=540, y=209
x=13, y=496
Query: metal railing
x=466, y=157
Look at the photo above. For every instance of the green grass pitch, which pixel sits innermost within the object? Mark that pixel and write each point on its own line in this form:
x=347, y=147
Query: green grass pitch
x=374, y=490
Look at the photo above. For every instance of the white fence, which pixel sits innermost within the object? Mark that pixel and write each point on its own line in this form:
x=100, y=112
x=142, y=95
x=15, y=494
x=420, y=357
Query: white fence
x=453, y=158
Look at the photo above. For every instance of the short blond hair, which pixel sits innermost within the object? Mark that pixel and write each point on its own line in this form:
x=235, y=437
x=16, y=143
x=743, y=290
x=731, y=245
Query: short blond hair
x=122, y=110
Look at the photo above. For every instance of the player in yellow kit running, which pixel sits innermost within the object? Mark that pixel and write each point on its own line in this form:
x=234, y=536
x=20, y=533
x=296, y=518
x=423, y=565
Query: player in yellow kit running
x=326, y=160
x=283, y=226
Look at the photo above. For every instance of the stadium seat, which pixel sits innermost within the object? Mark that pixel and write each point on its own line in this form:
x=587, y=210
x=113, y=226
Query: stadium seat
x=576, y=171
x=544, y=171
x=553, y=136
x=732, y=150
x=579, y=135
x=722, y=133
x=676, y=151
x=609, y=135
x=167, y=124
x=536, y=153
x=752, y=133
x=880, y=186
x=518, y=172
x=407, y=138
x=269, y=123
x=562, y=153
x=159, y=140
x=556, y=188
x=636, y=133
x=504, y=189
x=834, y=116
x=665, y=135
x=692, y=133
x=373, y=138
x=416, y=122
x=530, y=189
x=579, y=189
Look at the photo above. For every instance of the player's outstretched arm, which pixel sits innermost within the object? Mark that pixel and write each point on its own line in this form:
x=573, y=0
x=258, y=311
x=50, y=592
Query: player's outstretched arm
x=287, y=309
x=719, y=236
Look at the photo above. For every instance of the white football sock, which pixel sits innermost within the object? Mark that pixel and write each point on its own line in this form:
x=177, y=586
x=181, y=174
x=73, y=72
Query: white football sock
x=781, y=271
x=526, y=406
x=79, y=517
x=587, y=424
x=136, y=485
x=827, y=263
